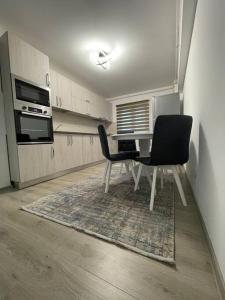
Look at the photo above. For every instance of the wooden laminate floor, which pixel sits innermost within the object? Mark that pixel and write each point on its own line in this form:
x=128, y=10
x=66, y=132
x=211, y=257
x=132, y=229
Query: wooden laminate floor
x=40, y=259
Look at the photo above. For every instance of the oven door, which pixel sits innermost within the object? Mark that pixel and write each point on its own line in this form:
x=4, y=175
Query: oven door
x=33, y=128
x=31, y=93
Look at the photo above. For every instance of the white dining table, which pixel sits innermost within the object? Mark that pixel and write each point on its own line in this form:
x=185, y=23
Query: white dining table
x=144, y=139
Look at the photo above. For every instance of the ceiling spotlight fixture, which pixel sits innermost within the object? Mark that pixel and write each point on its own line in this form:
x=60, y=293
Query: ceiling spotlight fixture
x=101, y=58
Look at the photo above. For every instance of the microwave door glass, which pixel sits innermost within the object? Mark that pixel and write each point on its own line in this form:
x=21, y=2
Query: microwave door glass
x=30, y=93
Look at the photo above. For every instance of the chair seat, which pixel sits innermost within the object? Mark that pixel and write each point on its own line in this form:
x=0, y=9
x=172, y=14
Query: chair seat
x=124, y=155
x=144, y=160
x=132, y=152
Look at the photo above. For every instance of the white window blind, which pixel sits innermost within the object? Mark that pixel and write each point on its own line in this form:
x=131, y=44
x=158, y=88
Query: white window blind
x=133, y=116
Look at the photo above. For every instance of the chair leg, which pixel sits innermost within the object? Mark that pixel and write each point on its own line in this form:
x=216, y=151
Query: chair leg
x=108, y=177
x=179, y=186
x=153, y=188
x=132, y=172
x=138, y=176
x=105, y=172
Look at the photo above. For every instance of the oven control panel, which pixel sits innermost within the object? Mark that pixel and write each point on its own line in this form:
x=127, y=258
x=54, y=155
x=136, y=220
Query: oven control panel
x=32, y=108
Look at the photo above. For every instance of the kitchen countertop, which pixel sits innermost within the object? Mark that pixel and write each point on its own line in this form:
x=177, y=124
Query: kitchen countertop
x=76, y=132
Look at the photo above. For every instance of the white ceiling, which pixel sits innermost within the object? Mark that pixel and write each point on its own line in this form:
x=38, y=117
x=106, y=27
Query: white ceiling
x=145, y=29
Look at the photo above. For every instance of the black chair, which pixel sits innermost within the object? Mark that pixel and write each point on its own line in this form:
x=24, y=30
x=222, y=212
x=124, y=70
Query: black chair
x=170, y=148
x=126, y=157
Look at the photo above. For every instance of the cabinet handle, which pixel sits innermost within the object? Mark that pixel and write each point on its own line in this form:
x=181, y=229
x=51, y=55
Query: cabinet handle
x=71, y=137
x=52, y=152
x=60, y=101
x=47, y=80
x=57, y=101
x=68, y=140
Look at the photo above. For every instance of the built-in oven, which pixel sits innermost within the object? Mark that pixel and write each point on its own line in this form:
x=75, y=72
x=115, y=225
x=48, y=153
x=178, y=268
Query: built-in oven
x=27, y=91
x=33, y=127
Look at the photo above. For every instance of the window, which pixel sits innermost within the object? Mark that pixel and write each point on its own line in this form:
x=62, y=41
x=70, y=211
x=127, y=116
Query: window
x=133, y=116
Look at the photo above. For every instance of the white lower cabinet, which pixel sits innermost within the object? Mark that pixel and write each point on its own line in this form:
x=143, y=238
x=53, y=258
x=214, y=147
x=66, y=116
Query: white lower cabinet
x=87, y=149
x=113, y=145
x=67, y=152
x=35, y=161
x=62, y=147
x=91, y=149
x=77, y=150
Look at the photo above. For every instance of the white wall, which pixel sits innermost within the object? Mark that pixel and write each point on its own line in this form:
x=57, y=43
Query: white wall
x=204, y=99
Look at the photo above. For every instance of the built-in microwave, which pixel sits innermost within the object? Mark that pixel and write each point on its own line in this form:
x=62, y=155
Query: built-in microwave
x=26, y=91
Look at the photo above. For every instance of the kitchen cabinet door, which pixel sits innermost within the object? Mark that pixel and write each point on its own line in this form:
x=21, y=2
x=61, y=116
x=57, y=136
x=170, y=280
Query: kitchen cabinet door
x=113, y=145
x=63, y=152
x=109, y=111
x=78, y=102
x=97, y=150
x=54, y=84
x=64, y=92
x=61, y=91
x=77, y=150
x=28, y=62
x=87, y=149
x=86, y=95
x=35, y=161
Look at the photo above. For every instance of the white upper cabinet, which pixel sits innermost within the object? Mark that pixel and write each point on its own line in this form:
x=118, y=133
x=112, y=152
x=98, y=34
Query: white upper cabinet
x=61, y=91
x=69, y=95
x=79, y=104
x=65, y=92
x=28, y=62
x=54, y=97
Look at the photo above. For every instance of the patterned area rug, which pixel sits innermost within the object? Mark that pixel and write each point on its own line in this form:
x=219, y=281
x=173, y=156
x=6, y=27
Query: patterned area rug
x=121, y=217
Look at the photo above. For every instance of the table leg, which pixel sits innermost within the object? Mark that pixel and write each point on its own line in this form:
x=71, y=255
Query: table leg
x=144, y=146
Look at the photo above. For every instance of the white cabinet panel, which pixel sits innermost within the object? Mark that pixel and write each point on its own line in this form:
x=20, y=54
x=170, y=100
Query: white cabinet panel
x=77, y=150
x=91, y=149
x=96, y=148
x=68, y=151
x=87, y=149
x=113, y=145
x=28, y=62
x=35, y=161
x=63, y=160
x=54, y=97
x=64, y=91
x=78, y=99
x=61, y=91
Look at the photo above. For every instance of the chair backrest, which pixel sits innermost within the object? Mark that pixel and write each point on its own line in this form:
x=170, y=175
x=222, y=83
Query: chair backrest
x=171, y=138
x=104, y=141
x=126, y=145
